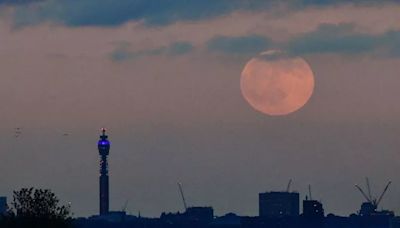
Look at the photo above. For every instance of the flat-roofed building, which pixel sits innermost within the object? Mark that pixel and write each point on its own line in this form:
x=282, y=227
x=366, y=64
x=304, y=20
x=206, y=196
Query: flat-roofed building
x=313, y=208
x=279, y=204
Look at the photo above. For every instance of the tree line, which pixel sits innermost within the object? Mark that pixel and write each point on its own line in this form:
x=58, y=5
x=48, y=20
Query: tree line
x=36, y=208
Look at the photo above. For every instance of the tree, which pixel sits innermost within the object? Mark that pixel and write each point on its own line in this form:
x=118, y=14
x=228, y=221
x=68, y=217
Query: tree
x=37, y=208
x=38, y=203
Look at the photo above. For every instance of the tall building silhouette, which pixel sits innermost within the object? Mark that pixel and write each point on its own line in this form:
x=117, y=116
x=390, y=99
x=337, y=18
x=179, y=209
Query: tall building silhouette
x=104, y=148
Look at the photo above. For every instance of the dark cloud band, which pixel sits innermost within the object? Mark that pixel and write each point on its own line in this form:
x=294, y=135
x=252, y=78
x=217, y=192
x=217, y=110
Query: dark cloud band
x=18, y=2
x=150, y=12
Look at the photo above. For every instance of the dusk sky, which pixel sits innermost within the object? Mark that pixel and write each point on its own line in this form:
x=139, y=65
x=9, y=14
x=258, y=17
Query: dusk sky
x=163, y=76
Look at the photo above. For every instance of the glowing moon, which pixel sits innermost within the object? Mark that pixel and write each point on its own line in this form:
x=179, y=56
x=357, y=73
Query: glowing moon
x=277, y=85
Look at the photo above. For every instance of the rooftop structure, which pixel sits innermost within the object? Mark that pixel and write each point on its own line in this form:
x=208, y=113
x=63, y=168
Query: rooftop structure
x=278, y=204
x=312, y=209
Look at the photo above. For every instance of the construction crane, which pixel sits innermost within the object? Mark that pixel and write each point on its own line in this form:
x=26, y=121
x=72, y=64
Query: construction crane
x=374, y=201
x=288, y=185
x=182, y=195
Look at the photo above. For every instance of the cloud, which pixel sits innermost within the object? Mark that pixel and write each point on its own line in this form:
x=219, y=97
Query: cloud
x=179, y=48
x=18, y=2
x=335, y=2
x=123, y=51
x=150, y=12
x=342, y=39
x=326, y=39
x=393, y=38
x=113, y=13
x=243, y=45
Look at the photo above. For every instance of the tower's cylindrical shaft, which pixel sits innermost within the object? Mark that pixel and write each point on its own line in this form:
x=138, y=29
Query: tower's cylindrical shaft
x=104, y=195
x=104, y=148
x=104, y=187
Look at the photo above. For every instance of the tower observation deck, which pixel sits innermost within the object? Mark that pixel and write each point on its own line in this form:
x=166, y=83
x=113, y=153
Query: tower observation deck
x=103, y=146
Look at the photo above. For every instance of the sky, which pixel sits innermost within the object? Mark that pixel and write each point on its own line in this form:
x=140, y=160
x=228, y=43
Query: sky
x=164, y=78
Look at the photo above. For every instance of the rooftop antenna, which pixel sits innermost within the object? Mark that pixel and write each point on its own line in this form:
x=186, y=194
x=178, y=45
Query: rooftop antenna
x=182, y=195
x=125, y=206
x=309, y=192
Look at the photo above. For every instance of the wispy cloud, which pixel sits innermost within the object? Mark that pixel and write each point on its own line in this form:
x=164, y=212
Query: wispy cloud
x=243, y=45
x=342, y=38
x=179, y=48
x=326, y=39
x=123, y=51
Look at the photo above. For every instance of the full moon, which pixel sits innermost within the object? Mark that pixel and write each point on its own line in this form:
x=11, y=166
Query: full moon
x=277, y=85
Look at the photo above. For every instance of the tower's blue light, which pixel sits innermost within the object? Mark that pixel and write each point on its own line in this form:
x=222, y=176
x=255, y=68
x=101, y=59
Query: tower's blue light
x=104, y=143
